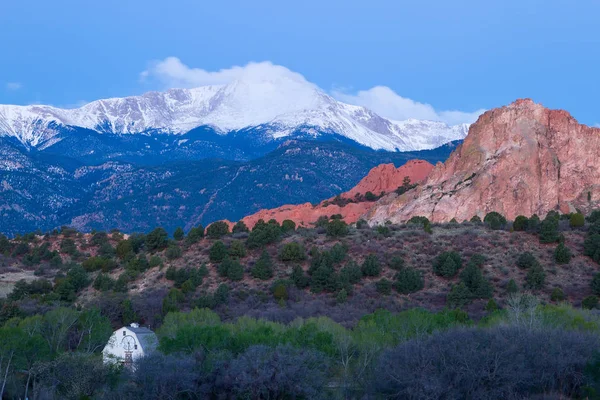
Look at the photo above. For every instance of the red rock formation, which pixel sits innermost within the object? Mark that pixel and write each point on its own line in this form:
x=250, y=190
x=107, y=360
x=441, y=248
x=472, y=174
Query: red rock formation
x=384, y=177
x=519, y=159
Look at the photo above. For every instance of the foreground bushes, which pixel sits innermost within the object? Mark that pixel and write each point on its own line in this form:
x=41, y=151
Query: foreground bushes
x=498, y=363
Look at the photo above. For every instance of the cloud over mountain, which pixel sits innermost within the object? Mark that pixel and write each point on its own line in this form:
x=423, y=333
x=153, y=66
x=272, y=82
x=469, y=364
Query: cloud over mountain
x=172, y=72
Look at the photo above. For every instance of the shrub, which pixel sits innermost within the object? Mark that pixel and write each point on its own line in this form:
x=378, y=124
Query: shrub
x=362, y=224
x=590, y=302
x=536, y=277
x=475, y=219
x=237, y=249
x=494, y=220
x=447, y=264
x=591, y=246
x=521, y=223
x=157, y=240
x=263, y=269
x=124, y=250
x=370, y=266
x=562, y=254
x=577, y=220
x=240, y=227
x=103, y=283
x=173, y=252
x=351, y=273
x=491, y=306
x=263, y=234
x=195, y=234
x=235, y=271
x=217, y=230
x=459, y=296
x=557, y=295
x=526, y=260
x=299, y=277
x=324, y=278
x=594, y=216
x=595, y=284
x=549, y=229
x=384, y=230
x=383, y=286
x=288, y=225
x=396, y=263
x=292, y=251
x=280, y=291
x=408, y=280
x=474, y=280
x=342, y=296
x=218, y=252
x=67, y=246
x=338, y=253
x=179, y=234
x=512, y=287
x=337, y=228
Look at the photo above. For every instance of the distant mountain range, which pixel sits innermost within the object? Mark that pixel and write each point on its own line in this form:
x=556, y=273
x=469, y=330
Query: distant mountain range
x=189, y=156
x=253, y=108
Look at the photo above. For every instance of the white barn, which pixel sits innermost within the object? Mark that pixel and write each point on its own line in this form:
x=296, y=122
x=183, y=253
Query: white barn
x=129, y=343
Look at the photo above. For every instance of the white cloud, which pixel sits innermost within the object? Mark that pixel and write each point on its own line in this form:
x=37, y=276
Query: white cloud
x=171, y=72
x=13, y=85
x=389, y=104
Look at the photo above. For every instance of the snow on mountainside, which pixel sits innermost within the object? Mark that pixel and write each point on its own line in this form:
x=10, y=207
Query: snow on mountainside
x=282, y=103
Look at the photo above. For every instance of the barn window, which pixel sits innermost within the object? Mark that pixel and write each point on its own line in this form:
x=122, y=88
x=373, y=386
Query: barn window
x=123, y=333
x=135, y=346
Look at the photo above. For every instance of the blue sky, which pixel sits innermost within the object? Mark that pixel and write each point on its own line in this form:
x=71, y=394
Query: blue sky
x=453, y=55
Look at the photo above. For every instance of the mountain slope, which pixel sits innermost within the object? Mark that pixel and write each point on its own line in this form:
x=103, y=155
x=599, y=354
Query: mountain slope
x=282, y=104
x=519, y=159
x=41, y=191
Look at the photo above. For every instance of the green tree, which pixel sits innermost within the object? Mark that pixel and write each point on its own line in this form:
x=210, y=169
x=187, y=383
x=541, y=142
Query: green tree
x=526, y=260
x=351, y=273
x=408, y=280
x=157, y=240
x=172, y=301
x=562, y=254
x=195, y=234
x=549, y=229
x=459, y=296
x=292, y=251
x=447, y=264
x=288, y=225
x=475, y=219
x=474, y=280
x=512, y=287
x=240, y=227
x=495, y=220
x=218, y=252
x=237, y=249
x=263, y=234
x=235, y=271
x=299, y=277
x=263, y=269
x=337, y=228
x=370, y=266
x=577, y=220
x=396, y=263
x=179, y=234
x=590, y=302
x=557, y=295
x=124, y=250
x=128, y=314
x=217, y=230
x=536, y=277
x=521, y=223
x=591, y=246
x=383, y=286
x=173, y=252
x=595, y=284
x=491, y=306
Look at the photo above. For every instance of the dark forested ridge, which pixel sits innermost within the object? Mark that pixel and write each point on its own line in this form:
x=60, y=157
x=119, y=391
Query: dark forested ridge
x=128, y=184
x=480, y=309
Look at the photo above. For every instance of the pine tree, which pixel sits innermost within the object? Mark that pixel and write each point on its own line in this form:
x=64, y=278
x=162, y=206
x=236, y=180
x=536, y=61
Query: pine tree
x=263, y=269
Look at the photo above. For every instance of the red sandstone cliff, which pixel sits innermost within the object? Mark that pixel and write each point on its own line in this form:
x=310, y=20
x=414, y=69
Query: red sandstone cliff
x=519, y=159
x=383, y=178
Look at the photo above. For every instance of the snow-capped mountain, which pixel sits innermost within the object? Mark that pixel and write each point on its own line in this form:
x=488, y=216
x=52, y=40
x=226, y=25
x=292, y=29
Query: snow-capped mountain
x=280, y=104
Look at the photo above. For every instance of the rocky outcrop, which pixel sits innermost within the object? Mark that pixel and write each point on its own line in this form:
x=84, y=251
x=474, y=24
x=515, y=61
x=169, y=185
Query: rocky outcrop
x=383, y=178
x=519, y=159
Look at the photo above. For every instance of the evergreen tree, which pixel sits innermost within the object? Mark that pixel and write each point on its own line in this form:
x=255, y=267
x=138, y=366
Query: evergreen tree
x=408, y=280
x=549, y=230
x=263, y=269
x=195, y=234
x=536, y=277
x=299, y=277
x=512, y=287
x=217, y=230
x=218, y=252
x=237, y=249
x=157, y=240
x=459, y=296
x=447, y=264
x=240, y=227
x=562, y=254
x=521, y=223
x=179, y=234
x=371, y=266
